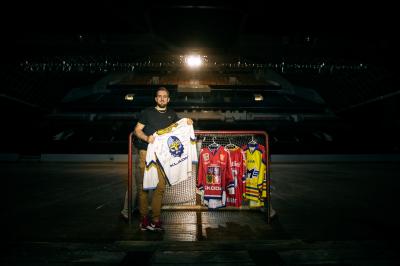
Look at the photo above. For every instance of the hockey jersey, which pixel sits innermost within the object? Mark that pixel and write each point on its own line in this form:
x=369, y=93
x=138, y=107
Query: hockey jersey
x=238, y=169
x=215, y=176
x=173, y=151
x=256, y=174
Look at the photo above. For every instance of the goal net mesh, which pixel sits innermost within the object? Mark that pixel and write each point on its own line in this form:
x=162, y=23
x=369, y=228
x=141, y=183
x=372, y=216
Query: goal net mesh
x=184, y=193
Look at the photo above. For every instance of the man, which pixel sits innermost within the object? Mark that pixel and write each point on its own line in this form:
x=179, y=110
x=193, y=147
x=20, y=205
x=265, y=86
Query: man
x=150, y=120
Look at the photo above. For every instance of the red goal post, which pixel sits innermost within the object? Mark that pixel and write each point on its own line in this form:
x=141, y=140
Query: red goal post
x=183, y=195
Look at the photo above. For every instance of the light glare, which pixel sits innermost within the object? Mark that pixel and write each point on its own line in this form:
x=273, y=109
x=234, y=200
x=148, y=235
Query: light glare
x=258, y=97
x=129, y=97
x=193, y=60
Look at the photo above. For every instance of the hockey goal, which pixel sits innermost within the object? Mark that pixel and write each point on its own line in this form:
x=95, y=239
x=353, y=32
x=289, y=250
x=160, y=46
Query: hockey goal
x=183, y=196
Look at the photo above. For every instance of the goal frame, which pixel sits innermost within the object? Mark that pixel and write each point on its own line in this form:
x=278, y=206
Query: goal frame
x=200, y=133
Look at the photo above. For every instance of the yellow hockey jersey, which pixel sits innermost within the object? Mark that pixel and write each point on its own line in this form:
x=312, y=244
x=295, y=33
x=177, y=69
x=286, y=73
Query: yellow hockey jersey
x=256, y=174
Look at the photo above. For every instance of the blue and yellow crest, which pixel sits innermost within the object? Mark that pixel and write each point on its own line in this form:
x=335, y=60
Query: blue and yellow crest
x=175, y=146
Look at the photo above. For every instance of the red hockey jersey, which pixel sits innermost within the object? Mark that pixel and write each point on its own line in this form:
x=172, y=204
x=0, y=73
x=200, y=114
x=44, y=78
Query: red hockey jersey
x=215, y=176
x=238, y=169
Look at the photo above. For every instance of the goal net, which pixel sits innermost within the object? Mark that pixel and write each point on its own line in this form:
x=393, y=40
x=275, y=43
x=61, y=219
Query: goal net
x=184, y=194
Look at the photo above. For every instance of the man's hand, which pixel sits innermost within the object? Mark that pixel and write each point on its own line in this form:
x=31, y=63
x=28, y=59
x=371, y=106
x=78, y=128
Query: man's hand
x=189, y=121
x=150, y=139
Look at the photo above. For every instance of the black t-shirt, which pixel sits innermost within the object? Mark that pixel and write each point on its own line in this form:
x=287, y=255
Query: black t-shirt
x=153, y=120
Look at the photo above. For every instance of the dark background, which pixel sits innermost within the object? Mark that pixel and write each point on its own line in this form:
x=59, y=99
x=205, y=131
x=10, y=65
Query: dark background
x=327, y=72
x=344, y=53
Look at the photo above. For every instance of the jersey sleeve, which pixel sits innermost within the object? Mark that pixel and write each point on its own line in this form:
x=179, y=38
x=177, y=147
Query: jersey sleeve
x=193, y=146
x=262, y=182
x=150, y=178
x=201, y=173
x=229, y=180
x=265, y=184
x=242, y=174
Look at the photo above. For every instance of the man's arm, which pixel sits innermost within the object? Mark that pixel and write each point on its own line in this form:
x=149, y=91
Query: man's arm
x=140, y=134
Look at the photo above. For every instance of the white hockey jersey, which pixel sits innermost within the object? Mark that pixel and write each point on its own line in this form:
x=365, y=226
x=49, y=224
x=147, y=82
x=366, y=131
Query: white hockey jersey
x=174, y=151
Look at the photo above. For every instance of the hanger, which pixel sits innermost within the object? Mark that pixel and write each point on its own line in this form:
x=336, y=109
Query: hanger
x=213, y=144
x=230, y=145
x=252, y=141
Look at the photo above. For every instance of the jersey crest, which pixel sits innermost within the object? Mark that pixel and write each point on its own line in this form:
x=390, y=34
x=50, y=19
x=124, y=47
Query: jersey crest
x=213, y=175
x=175, y=146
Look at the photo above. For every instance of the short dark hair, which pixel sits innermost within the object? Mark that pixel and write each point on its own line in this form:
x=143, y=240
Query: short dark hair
x=162, y=89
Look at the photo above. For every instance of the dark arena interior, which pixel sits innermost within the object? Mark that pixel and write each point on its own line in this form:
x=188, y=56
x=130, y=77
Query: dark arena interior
x=314, y=83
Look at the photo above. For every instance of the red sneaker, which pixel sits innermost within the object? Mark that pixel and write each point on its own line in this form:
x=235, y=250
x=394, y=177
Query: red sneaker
x=156, y=226
x=144, y=224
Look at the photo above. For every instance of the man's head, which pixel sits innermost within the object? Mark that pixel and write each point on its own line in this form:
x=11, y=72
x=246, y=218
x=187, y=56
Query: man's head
x=162, y=97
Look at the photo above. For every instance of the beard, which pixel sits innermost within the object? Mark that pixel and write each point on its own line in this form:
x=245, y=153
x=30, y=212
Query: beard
x=161, y=105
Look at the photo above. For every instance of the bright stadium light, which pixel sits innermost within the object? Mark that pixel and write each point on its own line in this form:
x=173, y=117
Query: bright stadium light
x=258, y=97
x=193, y=61
x=129, y=97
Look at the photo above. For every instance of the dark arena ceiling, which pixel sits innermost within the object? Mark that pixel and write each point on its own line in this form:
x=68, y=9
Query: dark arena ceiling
x=324, y=72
